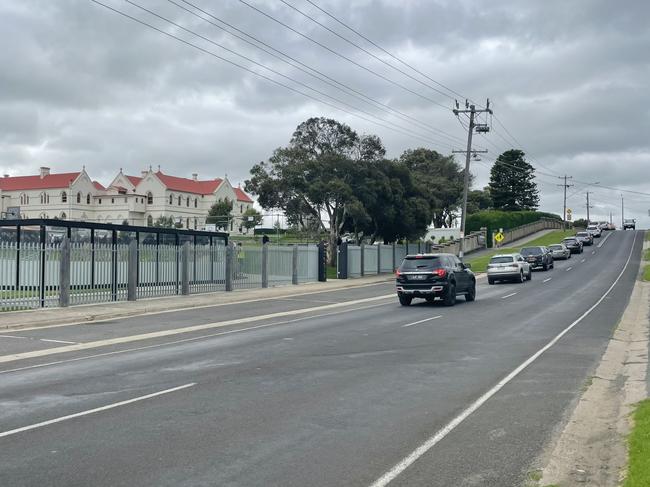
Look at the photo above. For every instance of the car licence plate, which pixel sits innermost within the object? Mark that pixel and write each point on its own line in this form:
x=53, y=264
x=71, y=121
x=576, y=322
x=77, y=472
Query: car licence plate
x=418, y=277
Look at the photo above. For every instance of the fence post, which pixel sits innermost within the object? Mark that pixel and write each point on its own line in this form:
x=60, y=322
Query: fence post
x=362, y=254
x=265, y=265
x=229, y=266
x=322, y=263
x=132, y=271
x=394, y=257
x=379, y=258
x=185, y=269
x=342, y=261
x=64, y=273
x=294, y=265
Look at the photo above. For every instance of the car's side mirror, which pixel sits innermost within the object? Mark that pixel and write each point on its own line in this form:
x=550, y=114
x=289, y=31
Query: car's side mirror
x=467, y=266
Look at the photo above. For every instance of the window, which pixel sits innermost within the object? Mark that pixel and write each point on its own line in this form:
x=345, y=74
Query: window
x=196, y=202
x=187, y=223
x=241, y=208
x=195, y=223
x=64, y=197
x=150, y=221
x=88, y=199
x=171, y=199
x=179, y=201
x=112, y=201
x=24, y=199
x=78, y=197
x=99, y=200
x=187, y=203
x=63, y=216
x=149, y=198
x=42, y=201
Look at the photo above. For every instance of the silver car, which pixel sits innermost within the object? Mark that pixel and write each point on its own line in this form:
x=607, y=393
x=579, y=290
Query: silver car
x=560, y=251
x=510, y=267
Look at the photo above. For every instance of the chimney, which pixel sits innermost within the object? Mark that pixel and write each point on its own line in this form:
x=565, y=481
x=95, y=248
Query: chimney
x=195, y=176
x=45, y=171
x=6, y=175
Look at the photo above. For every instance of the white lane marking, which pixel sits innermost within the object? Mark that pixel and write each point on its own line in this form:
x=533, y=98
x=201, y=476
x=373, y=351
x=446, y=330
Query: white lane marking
x=453, y=424
x=593, y=252
x=583, y=261
x=12, y=336
x=547, y=279
x=508, y=295
x=604, y=240
x=568, y=269
x=421, y=321
x=186, y=340
x=177, y=331
x=93, y=411
x=57, y=341
x=180, y=310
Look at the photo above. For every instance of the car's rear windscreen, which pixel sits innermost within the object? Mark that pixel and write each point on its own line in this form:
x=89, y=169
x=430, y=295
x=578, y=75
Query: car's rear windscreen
x=555, y=247
x=423, y=263
x=501, y=260
x=582, y=234
x=531, y=251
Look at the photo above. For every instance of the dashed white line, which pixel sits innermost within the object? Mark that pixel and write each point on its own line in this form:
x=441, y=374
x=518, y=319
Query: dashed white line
x=12, y=336
x=397, y=469
x=593, y=252
x=547, y=279
x=508, y=295
x=92, y=411
x=421, y=321
x=57, y=341
x=568, y=269
x=583, y=261
x=604, y=240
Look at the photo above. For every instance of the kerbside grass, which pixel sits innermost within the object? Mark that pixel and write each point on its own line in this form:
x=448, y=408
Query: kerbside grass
x=638, y=473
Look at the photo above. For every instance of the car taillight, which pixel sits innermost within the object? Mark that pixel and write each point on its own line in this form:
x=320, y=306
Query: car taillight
x=397, y=273
x=439, y=272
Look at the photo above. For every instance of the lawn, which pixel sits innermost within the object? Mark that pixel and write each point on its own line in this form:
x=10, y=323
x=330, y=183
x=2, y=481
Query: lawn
x=646, y=277
x=638, y=474
x=479, y=264
x=646, y=255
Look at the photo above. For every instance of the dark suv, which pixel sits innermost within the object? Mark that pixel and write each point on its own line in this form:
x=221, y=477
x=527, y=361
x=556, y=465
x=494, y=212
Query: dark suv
x=573, y=244
x=538, y=257
x=431, y=276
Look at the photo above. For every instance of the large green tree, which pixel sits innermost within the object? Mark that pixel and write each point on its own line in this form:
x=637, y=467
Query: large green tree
x=220, y=214
x=512, y=183
x=478, y=200
x=440, y=179
x=314, y=176
x=251, y=218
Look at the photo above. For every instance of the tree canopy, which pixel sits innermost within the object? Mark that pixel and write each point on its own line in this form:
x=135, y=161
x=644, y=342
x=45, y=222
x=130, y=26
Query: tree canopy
x=220, y=213
x=512, y=183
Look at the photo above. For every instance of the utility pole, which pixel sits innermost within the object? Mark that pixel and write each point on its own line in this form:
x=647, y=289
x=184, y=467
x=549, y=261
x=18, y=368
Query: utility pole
x=480, y=128
x=622, y=214
x=588, y=207
x=565, y=186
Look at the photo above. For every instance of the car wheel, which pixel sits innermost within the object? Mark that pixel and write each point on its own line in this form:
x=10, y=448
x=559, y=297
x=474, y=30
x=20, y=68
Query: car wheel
x=552, y=264
x=521, y=277
x=569, y=256
x=545, y=266
x=530, y=275
x=405, y=300
x=490, y=281
x=450, y=296
x=471, y=293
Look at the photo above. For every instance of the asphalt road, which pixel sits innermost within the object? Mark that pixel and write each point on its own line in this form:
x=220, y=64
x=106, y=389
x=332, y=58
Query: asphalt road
x=326, y=389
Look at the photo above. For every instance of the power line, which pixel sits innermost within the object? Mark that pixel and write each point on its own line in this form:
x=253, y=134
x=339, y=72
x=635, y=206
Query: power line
x=295, y=90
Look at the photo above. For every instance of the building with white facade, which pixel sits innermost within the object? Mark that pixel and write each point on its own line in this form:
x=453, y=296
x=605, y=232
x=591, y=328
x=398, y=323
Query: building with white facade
x=137, y=200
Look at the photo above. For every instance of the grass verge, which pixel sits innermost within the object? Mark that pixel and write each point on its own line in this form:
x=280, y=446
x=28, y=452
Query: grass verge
x=479, y=264
x=646, y=276
x=638, y=473
x=331, y=272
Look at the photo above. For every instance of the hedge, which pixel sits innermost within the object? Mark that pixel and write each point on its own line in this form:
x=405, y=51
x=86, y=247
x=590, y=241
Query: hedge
x=493, y=220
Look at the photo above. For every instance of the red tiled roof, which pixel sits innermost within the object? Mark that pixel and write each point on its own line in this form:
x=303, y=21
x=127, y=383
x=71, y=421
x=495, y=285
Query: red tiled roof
x=134, y=180
x=98, y=185
x=241, y=196
x=51, y=181
x=189, y=185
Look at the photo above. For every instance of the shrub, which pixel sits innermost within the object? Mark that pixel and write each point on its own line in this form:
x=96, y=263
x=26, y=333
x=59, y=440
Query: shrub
x=493, y=220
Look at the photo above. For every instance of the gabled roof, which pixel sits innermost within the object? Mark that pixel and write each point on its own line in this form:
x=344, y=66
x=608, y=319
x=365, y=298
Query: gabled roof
x=26, y=183
x=98, y=186
x=187, y=185
x=241, y=196
x=135, y=180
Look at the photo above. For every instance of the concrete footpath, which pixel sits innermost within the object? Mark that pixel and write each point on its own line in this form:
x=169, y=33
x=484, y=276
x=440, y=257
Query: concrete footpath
x=121, y=309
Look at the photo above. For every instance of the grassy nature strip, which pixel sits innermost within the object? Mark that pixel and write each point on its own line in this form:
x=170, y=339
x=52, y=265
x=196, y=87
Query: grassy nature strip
x=638, y=474
x=479, y=264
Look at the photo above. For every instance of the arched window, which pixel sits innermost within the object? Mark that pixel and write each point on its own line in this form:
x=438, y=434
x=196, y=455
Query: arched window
x=24, y=199
x=64, y=197
x=195, y=223
x=187, y=203
x=196, y=202
x=150, y=221
x=78, y=197
x=179, y=201
x=63, y=216
x=149, y=198
x=187, y=223
x=88, y=199
x=171, y=199
x=42, y=195
x=241, y=208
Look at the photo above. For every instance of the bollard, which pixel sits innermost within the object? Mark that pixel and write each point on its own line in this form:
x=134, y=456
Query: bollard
x=230, y=268
x=294, y=265
x=362, y=254
x=265, y=265
x=342, y=261
x=64, y=273
x=185, y=270
x=132, y=271
x=322, y=263
x=378, y=258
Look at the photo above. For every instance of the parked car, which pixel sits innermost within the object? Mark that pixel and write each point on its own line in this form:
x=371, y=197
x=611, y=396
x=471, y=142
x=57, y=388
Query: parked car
x=586, y=238
x=538, y=257
x=512, y=267
x=595, y=230
x=629, y=223
x=560, y=251
x=431, y=276
x=573, y=244
x=603, y=226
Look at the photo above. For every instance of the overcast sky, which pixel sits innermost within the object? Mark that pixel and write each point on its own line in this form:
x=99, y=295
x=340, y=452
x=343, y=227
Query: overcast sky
x=83, y=86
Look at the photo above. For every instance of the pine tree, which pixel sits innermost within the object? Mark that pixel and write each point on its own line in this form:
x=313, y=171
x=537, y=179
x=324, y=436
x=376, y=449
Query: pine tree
x=512, y=183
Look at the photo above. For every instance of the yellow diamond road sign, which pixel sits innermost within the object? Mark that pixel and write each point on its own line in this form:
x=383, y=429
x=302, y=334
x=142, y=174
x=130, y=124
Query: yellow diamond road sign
x=499, y=237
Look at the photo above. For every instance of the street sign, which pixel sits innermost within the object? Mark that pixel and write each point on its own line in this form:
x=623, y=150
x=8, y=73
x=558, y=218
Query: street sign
x=499, y=237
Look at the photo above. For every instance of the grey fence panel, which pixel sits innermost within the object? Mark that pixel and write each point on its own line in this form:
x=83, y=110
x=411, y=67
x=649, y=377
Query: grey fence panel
x=204, y=260
x=307, y=263
x=370, y=261
x=354, y=261
x=386, y=258
x=400, y=253
x=157, y=274
x=247, y=272
x=411, y=248
x=280, y=264
x=51, y=275
x=26, y=293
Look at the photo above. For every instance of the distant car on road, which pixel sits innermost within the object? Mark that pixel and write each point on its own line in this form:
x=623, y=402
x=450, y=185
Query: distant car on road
x=603, y=226
x=629, y=223
x=586, y=238
x=511, y=267
x=611, y=226
x=560, y=251
x=538, y=257
x=431, y=276
x=595, y=230
x=573, y=244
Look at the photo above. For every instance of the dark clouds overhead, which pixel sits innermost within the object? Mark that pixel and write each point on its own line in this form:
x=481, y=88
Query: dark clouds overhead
x=81, y=85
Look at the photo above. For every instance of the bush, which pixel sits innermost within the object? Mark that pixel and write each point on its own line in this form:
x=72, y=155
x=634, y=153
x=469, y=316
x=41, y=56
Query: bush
x=494, y=219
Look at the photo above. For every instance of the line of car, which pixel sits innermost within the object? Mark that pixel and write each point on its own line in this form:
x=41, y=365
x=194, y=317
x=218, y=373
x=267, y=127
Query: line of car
x=444, y=276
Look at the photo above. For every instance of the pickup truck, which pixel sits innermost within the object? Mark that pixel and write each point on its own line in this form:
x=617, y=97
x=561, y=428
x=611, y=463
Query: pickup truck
x=629, y=223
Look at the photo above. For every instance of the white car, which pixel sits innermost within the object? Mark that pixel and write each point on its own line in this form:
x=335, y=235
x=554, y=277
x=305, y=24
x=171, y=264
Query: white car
x=594, y=230
x=508, y=267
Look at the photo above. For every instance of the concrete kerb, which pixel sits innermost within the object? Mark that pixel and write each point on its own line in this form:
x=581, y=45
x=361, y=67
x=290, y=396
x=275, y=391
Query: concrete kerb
x=96, y=313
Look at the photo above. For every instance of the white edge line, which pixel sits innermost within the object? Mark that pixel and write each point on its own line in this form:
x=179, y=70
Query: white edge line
x=432, y=441
x=57, y=341
x=547, y=279
x=421, y=321
x=12, y=336
x=92, y=411
x=508, y=295
x=604, y=240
